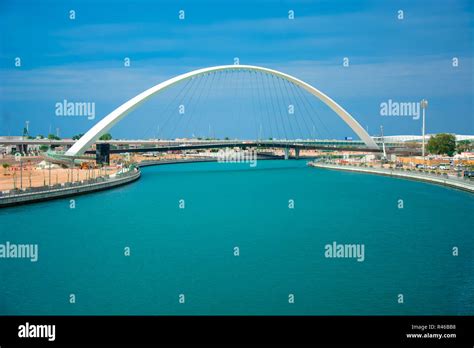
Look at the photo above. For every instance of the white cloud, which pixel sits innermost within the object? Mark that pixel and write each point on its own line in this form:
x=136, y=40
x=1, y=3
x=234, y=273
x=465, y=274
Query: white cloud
x=421, y=76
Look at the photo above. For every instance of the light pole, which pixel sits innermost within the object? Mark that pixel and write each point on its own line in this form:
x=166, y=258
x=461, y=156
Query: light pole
x=72, y=171
x=49, y=178
x=29, y=171
x=424, y=105
x=383, y=143
x=21, y=174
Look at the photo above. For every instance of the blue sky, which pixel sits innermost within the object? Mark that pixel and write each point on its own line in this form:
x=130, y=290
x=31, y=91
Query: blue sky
x=82, y=59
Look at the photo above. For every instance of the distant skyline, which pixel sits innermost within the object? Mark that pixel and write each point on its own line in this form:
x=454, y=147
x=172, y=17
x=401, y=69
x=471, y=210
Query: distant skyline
x=402, y=60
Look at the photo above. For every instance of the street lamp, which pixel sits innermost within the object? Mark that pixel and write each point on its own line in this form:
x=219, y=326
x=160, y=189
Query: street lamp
x=424, y=105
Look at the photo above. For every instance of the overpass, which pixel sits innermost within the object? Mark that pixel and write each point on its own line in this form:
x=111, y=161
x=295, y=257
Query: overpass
x=106, y=147
x=162, y=142
x=103, y=150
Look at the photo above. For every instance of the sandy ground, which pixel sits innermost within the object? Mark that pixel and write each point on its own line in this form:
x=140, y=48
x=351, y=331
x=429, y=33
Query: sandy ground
x=32, y=176
x=35, y=177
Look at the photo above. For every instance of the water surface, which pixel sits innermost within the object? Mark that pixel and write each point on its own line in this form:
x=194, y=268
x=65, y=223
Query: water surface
x=190, y=251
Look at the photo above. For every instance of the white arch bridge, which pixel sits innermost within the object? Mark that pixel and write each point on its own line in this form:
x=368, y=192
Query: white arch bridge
x=102, y=127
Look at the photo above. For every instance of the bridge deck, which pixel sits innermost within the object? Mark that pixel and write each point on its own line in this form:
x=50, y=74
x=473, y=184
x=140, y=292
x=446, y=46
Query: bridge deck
x=300, y=146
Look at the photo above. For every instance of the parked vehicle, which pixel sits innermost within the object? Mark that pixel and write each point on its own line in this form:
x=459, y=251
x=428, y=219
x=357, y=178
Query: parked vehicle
x=469, y=174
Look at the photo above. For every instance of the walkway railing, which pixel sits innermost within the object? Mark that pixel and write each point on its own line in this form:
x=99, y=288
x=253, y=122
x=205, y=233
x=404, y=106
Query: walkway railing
x=441, y=178
x=70, y=185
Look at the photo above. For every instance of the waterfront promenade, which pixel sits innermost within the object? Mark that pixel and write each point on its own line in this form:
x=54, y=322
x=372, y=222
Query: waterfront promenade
x=445, y=180
x=17, y=197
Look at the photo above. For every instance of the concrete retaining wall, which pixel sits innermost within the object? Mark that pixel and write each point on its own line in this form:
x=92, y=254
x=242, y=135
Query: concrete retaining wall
x=197, y=160
x=158, y=162
x=459, y=184
x=30, y=197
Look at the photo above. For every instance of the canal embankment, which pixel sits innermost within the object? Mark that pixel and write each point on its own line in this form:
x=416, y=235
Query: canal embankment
x=147, y=163
x=444, y=180
x=38, y=194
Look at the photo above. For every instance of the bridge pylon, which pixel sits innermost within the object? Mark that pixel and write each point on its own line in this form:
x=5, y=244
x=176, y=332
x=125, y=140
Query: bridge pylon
x=102, y=153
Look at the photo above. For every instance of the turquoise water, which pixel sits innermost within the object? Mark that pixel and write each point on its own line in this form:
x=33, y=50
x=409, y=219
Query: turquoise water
x=190, y=251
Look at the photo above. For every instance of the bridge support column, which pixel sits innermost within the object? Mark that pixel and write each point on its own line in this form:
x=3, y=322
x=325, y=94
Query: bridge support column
x=287, y=153
x=297, y=153
x=102, y=153
x=21, y=148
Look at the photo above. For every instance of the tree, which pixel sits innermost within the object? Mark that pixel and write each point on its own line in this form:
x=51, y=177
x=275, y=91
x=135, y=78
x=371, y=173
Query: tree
x=106, y=136
x=464, y=146
x=53, y=137
x=441, y=144
x=77, y=136
x=43, y=148
x=5, y=167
